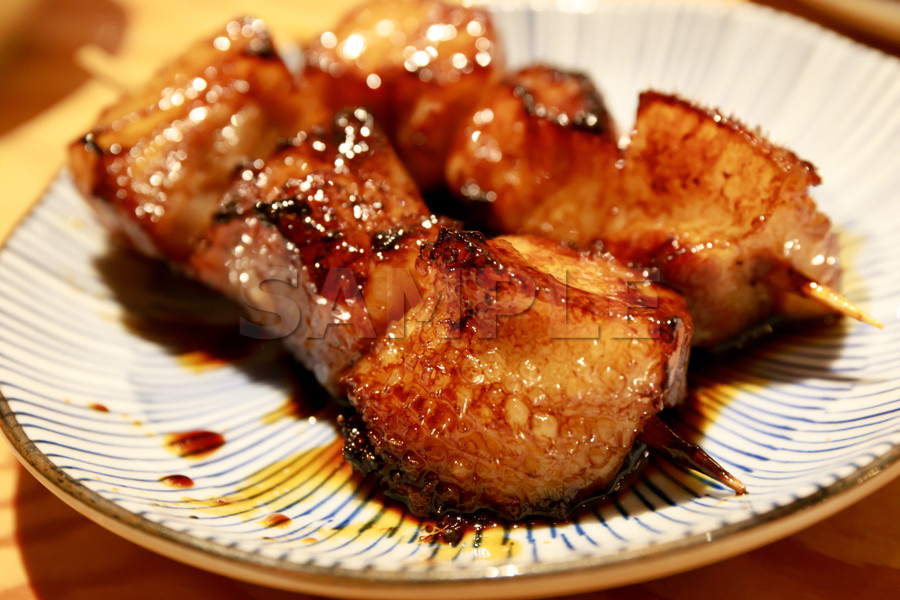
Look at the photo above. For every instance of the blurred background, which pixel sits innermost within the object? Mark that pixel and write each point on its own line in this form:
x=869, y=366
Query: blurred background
x=49, y=48
x=59, y=56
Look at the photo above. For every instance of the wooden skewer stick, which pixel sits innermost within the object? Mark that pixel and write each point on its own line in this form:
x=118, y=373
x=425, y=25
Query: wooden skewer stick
x=659, y=436
x=833, y=300
x=107, y=68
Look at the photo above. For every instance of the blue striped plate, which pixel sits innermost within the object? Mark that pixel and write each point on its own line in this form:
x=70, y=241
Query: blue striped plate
x=115, y=412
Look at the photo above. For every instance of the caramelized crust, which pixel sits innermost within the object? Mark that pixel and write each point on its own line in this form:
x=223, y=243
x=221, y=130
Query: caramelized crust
x=520, y=382
x=418, y=65
x=541, y=149
x=157, y=162
x=725, y=216
x=313, y=239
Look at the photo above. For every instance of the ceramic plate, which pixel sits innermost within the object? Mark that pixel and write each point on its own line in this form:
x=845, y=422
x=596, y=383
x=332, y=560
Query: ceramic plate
x=113, y=399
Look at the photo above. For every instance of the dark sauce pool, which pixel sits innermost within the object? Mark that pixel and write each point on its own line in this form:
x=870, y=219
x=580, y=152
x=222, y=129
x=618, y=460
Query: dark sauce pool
x=177, y=481
x=194, y=444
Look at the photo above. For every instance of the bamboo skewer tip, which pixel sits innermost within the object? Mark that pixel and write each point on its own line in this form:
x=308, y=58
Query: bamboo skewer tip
x=838, y=303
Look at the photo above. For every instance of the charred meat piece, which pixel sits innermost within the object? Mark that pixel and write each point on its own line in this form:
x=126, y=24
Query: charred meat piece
x=540, y=150
x=418, y=65
x=724, y=215
x=521, y=381
x=156, y=163
x=318, y=243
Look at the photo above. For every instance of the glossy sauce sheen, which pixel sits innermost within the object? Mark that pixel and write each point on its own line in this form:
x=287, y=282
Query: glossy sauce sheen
x=499, y=156
x=157, y=162
x=323, y=471
x=282, y=483
x=507, y=377
x=480, y=412
x=315, y=234
x=715, y=210
x=732, y=218
x=418, y=65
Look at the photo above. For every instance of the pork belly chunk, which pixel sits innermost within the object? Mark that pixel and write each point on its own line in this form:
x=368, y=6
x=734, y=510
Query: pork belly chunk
x=724, y=215
x=156, y=163
x=521, y=381
x=539, y=152
x=418, y=65
x=318, y=242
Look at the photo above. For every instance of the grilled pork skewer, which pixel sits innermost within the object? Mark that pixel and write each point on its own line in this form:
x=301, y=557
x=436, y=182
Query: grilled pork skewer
x=429, y=71
x=333, y=218
x=723, y=215
x=512, y=351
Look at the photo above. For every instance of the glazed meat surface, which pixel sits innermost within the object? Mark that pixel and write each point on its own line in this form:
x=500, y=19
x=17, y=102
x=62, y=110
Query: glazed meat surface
x=316, y=240
x=719, y=213
x=156, y=163
x=418, y=65
x=521, y=381
x=514, y=375
x=537, y=148
x=724, y=215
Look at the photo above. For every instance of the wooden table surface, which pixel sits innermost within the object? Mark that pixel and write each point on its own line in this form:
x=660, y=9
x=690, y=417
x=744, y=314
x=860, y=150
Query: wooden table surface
x=62, y=59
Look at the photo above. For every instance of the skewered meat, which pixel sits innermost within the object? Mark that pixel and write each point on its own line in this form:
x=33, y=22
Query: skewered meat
x=155, y=164
x=320, y=235
x=324, y=205
x=537, y=145
x=418, y=65
x=724, y=215
x=330, y=238
x=721, y=214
